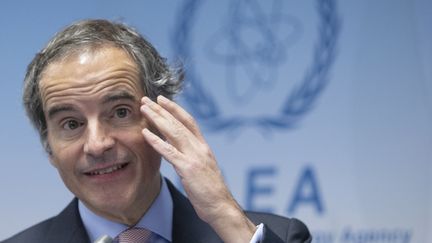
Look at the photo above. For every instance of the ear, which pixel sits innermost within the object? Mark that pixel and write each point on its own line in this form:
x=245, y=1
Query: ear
x=48, y=150
x=53, y=163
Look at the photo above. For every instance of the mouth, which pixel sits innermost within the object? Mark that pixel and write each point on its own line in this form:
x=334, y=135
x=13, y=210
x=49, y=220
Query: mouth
x=107, y=170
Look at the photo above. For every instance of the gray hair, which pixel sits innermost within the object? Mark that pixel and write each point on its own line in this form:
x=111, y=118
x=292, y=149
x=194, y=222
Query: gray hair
x=156, y=76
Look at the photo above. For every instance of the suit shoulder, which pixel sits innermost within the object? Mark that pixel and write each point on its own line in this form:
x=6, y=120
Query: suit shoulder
x=65, y=227
x=35, y=233
x=289, y=229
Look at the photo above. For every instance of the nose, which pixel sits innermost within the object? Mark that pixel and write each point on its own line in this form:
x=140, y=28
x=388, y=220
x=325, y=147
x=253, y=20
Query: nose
x=98, y=139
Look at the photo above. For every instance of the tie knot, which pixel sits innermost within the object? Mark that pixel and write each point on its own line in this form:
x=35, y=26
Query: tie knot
x=134, y=235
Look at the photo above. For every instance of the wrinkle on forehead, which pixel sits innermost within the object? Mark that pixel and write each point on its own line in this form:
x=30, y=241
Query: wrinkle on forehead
x=62, y=93
x=63, y=87
x=88, y=73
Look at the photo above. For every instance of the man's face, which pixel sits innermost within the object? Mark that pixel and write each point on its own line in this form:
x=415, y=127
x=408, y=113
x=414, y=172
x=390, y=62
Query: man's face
x=91, y=103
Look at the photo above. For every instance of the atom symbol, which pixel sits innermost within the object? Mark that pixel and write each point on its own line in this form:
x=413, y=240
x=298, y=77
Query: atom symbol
x=228, y=51
x=251, y=45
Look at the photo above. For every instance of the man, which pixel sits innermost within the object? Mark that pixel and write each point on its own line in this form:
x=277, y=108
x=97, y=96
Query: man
x=99, y=96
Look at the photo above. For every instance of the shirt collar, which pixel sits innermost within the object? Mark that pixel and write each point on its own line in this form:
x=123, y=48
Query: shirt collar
x=158, y=218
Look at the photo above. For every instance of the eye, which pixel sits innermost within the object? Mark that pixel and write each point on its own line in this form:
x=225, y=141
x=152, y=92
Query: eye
x=71, y=124
x=121, y=113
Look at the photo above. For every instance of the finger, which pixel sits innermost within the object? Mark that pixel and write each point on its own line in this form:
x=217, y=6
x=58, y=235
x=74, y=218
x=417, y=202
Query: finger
x=155, y=107
x=169, y=152
x=182, y=115
x=177, y=112
x=175, y=132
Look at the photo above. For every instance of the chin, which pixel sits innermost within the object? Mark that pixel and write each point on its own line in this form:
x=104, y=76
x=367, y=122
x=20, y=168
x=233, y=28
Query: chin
x=110, y=208
x=109, y=201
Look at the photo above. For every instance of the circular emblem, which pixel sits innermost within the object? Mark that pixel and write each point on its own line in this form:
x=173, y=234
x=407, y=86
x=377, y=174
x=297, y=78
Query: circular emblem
x=257, y=59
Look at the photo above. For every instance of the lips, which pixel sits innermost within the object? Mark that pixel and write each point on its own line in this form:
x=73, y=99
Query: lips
x=106, y=170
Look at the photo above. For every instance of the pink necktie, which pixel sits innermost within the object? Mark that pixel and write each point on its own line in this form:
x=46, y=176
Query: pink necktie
x=134, y=235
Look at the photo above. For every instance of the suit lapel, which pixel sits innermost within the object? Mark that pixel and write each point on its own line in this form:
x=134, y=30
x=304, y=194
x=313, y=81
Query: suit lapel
x=187, y=226
x=68, y=227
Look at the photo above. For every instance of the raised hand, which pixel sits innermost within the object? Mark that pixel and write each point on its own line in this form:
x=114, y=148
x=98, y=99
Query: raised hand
x=179, y=140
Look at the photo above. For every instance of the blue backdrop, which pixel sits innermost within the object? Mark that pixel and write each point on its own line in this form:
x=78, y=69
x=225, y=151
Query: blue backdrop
x=317, y=109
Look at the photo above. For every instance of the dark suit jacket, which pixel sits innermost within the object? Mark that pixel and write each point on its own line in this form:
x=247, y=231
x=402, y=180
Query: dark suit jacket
x=187, y=226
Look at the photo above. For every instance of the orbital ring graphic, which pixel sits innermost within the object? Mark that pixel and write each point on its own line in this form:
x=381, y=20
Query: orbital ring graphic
x=299, y=101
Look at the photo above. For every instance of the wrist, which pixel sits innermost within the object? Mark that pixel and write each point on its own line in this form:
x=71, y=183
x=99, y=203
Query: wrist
x=232, y=225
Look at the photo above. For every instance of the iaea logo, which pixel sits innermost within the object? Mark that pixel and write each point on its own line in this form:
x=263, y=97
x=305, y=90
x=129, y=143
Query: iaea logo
x=249, y=54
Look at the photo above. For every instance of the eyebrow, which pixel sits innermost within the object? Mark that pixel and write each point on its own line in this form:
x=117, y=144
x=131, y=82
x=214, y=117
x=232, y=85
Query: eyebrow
x=57, y=109
x=109, y=98
x=120, y=95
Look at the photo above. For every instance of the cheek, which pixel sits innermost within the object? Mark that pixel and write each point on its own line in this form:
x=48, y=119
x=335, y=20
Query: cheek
x=136, y=142
x=64, y=157
x=66, y=169
x=63, y=162
x=147, y=156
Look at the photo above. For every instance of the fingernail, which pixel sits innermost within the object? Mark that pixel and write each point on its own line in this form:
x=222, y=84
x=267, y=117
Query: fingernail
x=145, y=99
x=145, y=131
x=162, y=98
x=144, y=108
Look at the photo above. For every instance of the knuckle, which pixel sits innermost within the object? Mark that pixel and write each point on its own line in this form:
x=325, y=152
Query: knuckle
x=169, y=149
x=176, y=134
x=177, y=131
x=194, y=167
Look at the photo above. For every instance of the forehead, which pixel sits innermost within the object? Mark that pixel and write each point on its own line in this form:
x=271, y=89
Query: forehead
x=88, y=72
